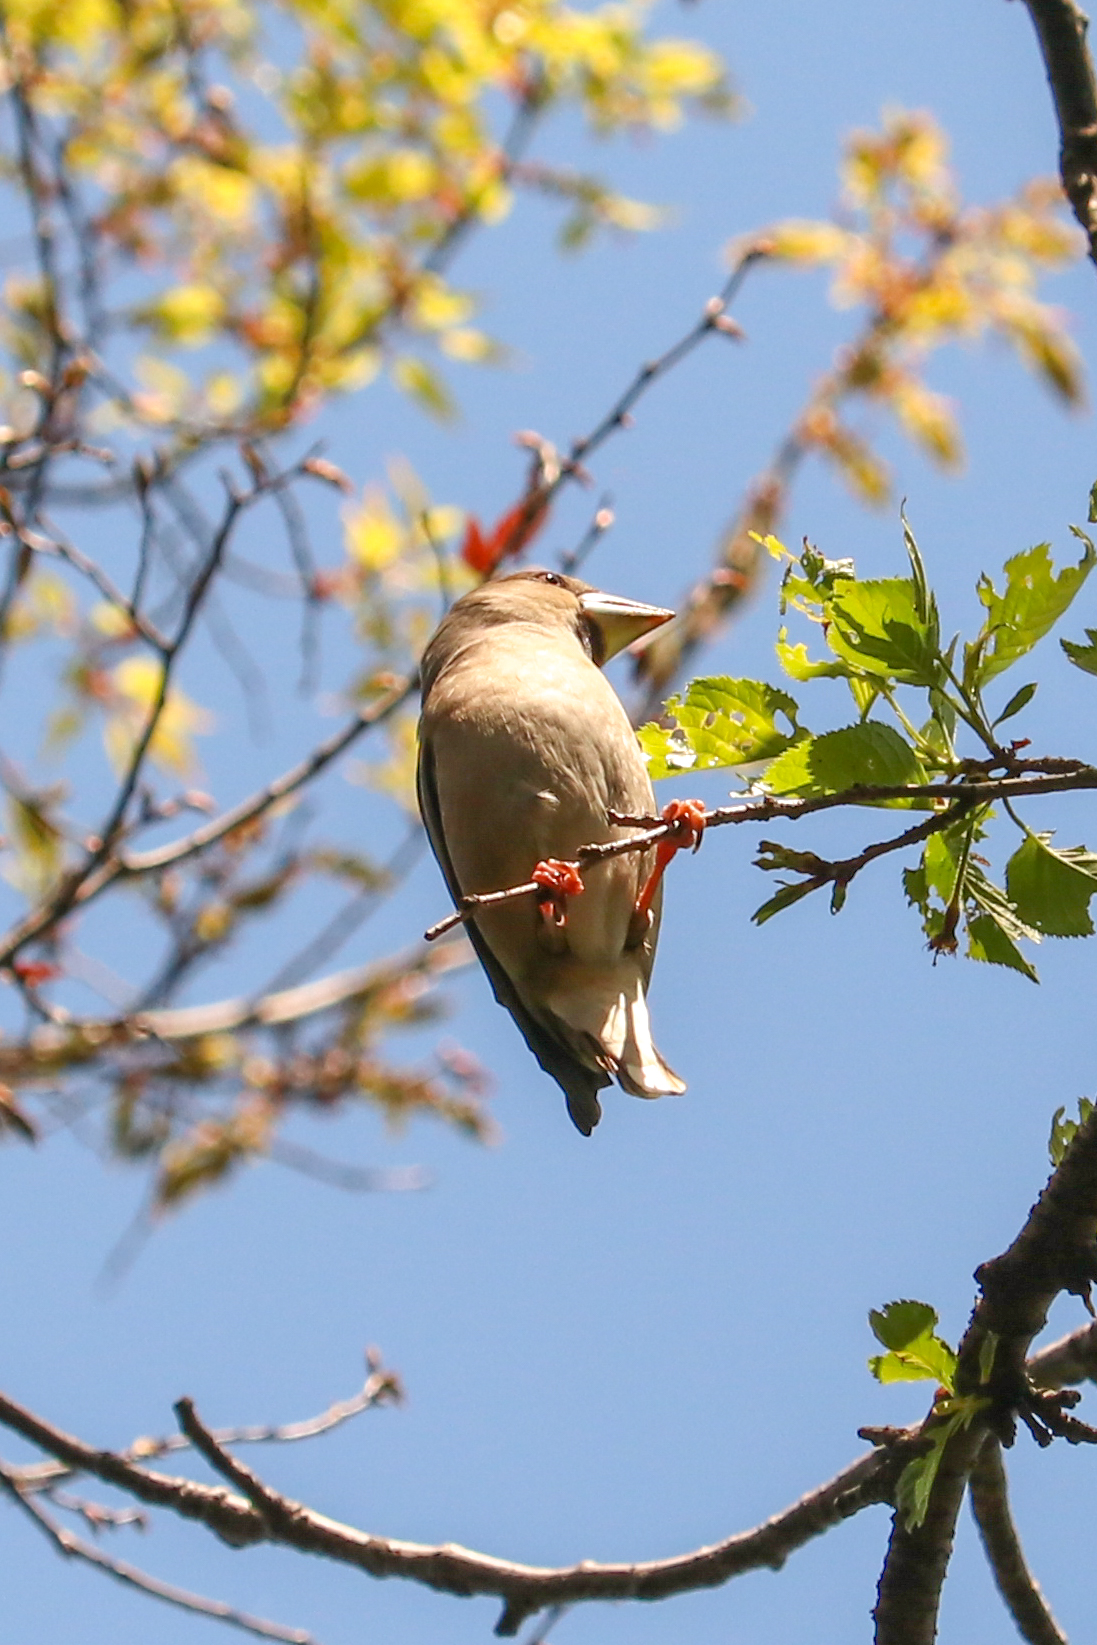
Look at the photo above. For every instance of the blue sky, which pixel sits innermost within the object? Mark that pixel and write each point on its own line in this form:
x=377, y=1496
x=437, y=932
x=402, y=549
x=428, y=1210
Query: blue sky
x=630, y=1346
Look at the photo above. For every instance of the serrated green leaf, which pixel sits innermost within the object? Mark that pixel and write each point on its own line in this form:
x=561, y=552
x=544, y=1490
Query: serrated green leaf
x=877, y=626
x=987, y=941
x=941, y=860
x=1019, y=700
x=1051, y=889
x=899, y=1323
x=869, y=753
x=915, y=1485
x=864, y=693
x=916, y=887
x=1083, y=656
x=1032, y=602
x=928, y=1359
x=915, y=1352
x=720, y=722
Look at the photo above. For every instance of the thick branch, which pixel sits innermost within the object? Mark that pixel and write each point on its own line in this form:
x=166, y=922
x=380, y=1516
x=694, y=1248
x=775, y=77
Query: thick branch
x=1054, y=1251
x=1016, y=1584
x=1061, y=29
x=909, y=1592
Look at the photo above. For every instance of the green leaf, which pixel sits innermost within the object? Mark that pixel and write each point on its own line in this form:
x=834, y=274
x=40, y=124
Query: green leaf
x=988, y=941
x=784, y=898
x=720, y=722
x=1033, y=601
x=864, y=693
x=917, y=1478
x=878, y=626
x=1092, y=515
x=923, y=599
x=1051, y=889
x=915, y=1352
x=1062, y=1129
x=1083, y=656
x=899, y=1323
x=1019, y=700
x=798, y=665
x=870, y=753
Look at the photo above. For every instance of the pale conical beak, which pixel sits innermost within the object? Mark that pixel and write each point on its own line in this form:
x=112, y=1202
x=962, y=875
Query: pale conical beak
x=621, y=621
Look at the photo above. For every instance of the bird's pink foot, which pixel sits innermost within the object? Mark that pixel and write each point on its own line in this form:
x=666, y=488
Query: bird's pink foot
x=686, y=819
x=558, y=882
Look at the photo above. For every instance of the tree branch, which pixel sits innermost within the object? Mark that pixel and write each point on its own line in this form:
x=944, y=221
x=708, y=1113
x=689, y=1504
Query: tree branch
x=1071, y=1360
x=449, y=1568
x=74, y=1547
x=1061, y=30
x=1016, y=1584
x=1054, y=1251
x=1032, y=780
x=131, y=865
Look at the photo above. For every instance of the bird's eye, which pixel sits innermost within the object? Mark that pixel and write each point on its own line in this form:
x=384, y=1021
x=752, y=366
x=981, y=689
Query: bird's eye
x=551, y=577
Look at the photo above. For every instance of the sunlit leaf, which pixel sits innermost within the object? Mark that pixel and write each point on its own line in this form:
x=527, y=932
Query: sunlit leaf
x=870, y=753
x=1051, y=889
x=720, y=722
x=1033, y=600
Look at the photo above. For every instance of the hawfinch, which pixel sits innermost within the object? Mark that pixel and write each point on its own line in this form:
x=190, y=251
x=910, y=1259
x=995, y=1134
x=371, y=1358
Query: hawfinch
x=523, y=750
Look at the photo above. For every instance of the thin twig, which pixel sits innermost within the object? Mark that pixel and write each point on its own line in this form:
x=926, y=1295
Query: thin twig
x=956, y=796
x=85, y=886
x=74, y=1547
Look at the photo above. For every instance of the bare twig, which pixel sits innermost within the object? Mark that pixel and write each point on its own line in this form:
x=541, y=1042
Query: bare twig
x=381, y=1387
x=1016, y=1584
x=86, y=885
x=74, y=1547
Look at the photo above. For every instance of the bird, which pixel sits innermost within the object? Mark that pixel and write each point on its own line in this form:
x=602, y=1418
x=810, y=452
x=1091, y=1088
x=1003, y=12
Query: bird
x=524, y=750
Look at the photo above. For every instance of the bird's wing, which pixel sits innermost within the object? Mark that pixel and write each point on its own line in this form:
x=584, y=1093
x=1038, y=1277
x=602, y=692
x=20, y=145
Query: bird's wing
x=579, y=1083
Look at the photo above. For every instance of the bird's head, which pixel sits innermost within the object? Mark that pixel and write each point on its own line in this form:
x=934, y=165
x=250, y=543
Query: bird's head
x=602, y=623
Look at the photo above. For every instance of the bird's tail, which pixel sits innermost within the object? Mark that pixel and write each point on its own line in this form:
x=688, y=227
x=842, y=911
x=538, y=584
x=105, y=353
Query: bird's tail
x=613, y=1028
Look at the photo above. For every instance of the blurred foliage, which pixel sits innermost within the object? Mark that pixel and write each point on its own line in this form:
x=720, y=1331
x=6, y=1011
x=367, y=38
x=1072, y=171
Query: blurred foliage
x=226, y=213
x=230, y=212
x=280, y=184
x=923, y=270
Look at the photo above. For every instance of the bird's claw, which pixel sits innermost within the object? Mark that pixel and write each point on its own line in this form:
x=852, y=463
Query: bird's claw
x=558, y=881
x=685, y=821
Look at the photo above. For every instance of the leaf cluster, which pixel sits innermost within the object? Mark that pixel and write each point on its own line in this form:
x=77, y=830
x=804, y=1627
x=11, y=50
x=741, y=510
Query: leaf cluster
x=927, y=727
x=915, y=1353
